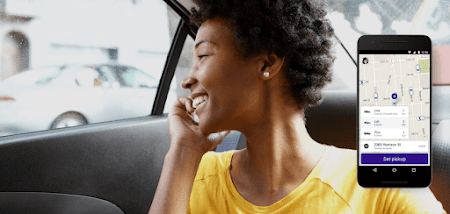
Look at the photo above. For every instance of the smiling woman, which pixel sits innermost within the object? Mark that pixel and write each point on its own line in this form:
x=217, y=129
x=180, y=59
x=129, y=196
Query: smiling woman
x=257, y=66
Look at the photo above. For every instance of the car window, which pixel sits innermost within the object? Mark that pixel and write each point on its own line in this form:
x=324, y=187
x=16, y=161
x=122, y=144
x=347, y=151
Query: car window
x=137, y=78
x=67, y=51
x=109, y=76
x=183, y=67
x=82, y=76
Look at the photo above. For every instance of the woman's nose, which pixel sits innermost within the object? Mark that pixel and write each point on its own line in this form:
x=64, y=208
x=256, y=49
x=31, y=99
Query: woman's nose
x=188, y=82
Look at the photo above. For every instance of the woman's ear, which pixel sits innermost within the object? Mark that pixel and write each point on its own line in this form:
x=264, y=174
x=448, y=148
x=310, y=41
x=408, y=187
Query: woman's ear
x=272, y=65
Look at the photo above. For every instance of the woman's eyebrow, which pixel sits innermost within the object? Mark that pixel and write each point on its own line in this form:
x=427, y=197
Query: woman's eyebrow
x=203, y=41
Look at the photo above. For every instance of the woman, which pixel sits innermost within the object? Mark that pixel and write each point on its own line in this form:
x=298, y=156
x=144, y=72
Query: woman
x=365, y=60
x=257, y=66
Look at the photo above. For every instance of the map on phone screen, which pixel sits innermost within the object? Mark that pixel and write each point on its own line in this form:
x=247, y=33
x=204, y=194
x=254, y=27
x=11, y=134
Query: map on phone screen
x=394, y=100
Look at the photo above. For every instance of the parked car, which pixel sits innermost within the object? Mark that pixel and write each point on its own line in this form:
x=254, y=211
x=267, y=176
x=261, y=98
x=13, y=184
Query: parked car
x=71, y=95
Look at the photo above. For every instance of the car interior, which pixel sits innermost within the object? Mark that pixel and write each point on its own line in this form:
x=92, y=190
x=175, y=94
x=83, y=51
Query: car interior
x=114, y=167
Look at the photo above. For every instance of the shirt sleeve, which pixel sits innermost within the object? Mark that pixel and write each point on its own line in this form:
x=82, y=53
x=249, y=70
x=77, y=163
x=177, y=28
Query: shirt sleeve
x=420, y=200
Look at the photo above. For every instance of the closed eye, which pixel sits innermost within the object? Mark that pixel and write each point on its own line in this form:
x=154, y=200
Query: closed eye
x=201, y=56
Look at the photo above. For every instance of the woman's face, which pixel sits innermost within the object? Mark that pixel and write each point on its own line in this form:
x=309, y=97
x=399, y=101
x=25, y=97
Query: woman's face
x=233, y=86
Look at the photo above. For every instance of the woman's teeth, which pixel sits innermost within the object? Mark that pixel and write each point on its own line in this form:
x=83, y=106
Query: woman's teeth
x=199, y=100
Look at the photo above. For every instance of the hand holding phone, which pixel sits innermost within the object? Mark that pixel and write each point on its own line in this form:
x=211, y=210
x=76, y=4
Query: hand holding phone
x=184, y=128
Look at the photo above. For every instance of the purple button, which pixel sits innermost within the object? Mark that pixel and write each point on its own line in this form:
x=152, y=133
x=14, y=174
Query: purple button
x=394, y=158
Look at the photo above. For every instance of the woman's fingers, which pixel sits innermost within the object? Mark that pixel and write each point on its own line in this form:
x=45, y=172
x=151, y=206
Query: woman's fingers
x=183, y=108
x=183, y=103
x=188, y=104
x=182, y=126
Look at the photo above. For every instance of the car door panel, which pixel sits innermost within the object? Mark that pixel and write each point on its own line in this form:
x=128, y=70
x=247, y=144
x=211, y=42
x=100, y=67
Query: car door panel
x=54, y=203
x=119, y=161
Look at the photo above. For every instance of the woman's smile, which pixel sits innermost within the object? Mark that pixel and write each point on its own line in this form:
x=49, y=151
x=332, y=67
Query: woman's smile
x=199, y=107
x=199, y=100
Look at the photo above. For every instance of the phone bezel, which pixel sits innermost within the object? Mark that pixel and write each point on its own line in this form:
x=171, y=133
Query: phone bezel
x=384, y=175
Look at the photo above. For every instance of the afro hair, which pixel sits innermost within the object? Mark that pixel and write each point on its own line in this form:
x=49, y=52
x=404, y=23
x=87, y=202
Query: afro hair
x=294, y=29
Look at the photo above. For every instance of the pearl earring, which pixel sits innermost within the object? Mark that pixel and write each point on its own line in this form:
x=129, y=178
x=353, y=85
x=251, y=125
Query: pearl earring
x=266, y=74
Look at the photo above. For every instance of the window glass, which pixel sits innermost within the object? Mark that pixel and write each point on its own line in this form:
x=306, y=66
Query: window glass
x=137, y=78
x=31, y=77
x=103, y=65
x=107, y=73
x=109, y=77
x=85, y=77
x=183, y=67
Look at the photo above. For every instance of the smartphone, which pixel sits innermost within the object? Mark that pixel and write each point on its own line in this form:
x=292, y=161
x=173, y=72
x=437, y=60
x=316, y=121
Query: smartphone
x=394, y=111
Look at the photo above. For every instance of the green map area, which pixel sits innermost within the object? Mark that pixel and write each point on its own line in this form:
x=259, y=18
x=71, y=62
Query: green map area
x=424, y=65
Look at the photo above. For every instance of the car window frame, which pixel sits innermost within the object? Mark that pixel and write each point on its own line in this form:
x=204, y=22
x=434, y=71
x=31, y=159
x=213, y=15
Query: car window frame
x=183, y=30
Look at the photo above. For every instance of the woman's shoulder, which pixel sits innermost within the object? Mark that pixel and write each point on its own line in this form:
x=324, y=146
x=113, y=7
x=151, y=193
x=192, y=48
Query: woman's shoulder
x=336, y=159
x=213, y=163
x=337, y=169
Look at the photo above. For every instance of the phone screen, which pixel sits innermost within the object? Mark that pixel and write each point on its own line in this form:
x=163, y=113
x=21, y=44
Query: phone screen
x=394, y=108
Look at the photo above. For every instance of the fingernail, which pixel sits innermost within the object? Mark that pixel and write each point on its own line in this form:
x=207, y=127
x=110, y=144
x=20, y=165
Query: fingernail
x=216, y=136
x=196, y=119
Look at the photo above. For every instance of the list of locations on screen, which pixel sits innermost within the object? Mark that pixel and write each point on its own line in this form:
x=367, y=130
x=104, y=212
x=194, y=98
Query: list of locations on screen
x=394, y=102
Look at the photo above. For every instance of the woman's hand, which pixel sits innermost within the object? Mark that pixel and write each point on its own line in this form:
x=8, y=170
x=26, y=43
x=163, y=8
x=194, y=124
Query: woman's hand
x=186, y=133
x=187, y=146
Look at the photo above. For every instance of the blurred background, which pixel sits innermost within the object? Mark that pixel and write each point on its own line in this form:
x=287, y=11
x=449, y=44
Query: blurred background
x=38, y=33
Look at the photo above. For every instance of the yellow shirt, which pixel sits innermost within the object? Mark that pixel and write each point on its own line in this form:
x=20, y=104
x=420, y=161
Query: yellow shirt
x=331, y=187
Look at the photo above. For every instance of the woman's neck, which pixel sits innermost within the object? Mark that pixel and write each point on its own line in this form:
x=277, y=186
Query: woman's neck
x=280, y=154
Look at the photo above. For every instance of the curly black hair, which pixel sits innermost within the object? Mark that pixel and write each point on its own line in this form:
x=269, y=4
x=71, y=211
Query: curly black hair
x=294, y=29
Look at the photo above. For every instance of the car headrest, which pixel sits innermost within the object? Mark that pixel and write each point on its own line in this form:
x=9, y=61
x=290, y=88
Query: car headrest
x=333, y=122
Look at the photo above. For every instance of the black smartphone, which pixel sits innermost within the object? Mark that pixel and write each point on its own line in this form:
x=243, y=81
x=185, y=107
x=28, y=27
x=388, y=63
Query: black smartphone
x=394, y=111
